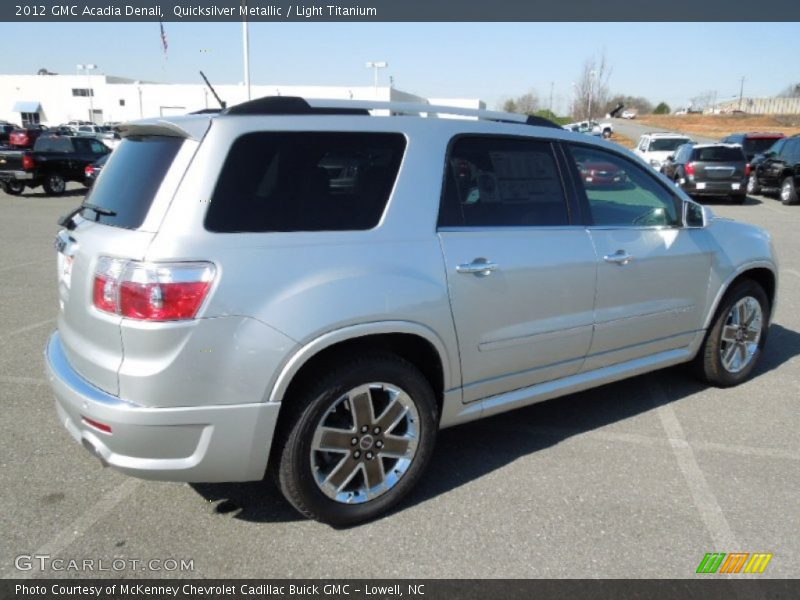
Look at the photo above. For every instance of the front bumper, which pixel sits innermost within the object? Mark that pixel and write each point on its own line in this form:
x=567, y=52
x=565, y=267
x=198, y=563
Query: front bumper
x=195, y=444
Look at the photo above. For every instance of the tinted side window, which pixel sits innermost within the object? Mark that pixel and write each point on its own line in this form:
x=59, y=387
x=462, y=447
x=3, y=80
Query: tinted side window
x=305, y=181
x=53, y=144
x=791, y=151
x=621, y=193
x=496, y=182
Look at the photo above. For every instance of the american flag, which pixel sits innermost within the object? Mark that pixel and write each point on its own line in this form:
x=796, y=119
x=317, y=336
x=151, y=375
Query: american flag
x=164, y=41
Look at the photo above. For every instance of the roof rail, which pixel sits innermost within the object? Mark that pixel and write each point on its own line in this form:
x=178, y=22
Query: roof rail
x=293, y=105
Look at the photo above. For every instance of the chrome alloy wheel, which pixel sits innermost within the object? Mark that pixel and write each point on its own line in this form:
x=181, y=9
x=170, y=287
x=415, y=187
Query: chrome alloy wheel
x=365, y=443
x=741, y=334
x=57, y=183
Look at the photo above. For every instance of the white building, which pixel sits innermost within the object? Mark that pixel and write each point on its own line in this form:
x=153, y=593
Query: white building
x=56, y=99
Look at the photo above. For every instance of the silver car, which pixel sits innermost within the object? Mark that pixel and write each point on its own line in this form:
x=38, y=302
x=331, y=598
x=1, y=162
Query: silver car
x=306, y=289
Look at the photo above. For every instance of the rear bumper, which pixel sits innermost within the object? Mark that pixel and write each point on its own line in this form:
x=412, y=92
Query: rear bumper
x=715, y=188
x=205, y=444
x=16, y=176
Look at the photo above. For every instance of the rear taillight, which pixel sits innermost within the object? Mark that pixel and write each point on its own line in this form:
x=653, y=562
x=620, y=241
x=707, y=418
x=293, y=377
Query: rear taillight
x=88, y=171
x=690, y=169
x=27, y=162
x=151, y=291
x=747, y=170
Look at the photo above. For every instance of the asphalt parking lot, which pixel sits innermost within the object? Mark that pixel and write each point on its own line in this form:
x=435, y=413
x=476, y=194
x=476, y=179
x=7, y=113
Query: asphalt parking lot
x=635, y=479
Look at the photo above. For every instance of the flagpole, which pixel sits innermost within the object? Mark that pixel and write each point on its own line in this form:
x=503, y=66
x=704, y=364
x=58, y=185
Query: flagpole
x=246, y=49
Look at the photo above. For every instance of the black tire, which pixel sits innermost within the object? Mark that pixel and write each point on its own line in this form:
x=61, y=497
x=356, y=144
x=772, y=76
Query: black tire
x=708, y=363
x=14, y=188
x=292, y=453
x=54, y=184
x=753, y=186
x=788, y=194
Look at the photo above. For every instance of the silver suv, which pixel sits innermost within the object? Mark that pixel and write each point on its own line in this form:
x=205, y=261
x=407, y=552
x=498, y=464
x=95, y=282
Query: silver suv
x=307, y=289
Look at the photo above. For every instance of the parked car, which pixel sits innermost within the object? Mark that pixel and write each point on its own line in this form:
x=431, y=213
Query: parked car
x=598, y=174
x=778, y=169
x=655, y=147
x=753, y=143
x=5, y=130
x=709, y=170
x=605, y=129
x=92, y=171
x=629, y=114
x=54, y=161
x=25, y=136
x=226, y=312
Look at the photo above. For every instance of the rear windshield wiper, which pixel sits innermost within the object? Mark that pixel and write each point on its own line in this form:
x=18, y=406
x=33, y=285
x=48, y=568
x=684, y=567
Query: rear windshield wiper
x=68, y=219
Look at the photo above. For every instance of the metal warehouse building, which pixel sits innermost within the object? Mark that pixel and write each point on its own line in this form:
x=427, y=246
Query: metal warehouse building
x=55, y=99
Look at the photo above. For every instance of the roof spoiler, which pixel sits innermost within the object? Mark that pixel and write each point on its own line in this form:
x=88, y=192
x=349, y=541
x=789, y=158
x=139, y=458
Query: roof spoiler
x=193, y=129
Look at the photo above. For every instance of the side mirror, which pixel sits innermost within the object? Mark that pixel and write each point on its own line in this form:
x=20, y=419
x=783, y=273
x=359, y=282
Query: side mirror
x=695, y=216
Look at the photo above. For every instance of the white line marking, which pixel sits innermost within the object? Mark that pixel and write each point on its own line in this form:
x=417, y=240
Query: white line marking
x=78, y=528
x=704, y=499
x=26, y=264
x=26, y=328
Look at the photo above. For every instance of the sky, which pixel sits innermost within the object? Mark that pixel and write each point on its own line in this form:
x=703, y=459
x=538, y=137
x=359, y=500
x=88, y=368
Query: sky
x=670, y=62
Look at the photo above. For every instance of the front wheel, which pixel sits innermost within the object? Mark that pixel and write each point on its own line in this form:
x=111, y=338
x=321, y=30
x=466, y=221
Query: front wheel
x=737, y=336
x=15, y=188
x=354, y=444
x=788, y=191
x=54, y=185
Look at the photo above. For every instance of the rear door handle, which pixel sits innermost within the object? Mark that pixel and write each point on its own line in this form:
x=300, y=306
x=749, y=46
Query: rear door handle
x=620, y=257
x=479, y=266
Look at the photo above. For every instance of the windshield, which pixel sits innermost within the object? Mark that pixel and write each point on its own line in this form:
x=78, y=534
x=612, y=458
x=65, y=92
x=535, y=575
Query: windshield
x=132, y=177
x=666, y=144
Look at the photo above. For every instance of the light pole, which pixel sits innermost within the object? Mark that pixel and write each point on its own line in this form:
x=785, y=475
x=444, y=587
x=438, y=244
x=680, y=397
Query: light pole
x=591, y=91
x=375, y=65
x=86, y=69
x=741, y=92
x=246, y=51
x=552, y=84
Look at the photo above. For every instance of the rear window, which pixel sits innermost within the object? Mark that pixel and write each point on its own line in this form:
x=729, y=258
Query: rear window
x=53, y=144
x=305, y=181
x=666, y=144
x=131, y=179
x=718, y=154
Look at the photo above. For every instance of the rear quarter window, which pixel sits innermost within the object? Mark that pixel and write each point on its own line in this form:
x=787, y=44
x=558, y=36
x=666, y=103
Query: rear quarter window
x=305, y=181
x=132, y=177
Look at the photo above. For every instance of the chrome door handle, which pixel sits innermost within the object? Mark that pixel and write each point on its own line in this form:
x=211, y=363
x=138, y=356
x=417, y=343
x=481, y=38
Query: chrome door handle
x=620, y=257
x=479, y=266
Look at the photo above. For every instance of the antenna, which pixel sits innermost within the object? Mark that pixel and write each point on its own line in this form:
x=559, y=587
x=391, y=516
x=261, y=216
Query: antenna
x=221, y=102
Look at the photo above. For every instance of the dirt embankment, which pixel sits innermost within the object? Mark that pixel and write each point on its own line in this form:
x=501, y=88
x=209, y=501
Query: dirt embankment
x=718, y=126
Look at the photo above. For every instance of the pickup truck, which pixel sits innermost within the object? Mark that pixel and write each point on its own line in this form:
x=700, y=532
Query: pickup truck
x=604, y=129
x=54, y=160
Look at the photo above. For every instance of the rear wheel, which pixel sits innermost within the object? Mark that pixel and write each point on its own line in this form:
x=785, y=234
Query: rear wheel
x=356, y=443
x=788, y=191
x=752, y=184
x=54, y=184
x=15, y=188
x=737, y=336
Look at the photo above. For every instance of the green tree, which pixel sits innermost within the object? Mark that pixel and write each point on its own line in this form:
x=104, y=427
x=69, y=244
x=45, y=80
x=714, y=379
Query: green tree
x=662, y=109
x=510, y=106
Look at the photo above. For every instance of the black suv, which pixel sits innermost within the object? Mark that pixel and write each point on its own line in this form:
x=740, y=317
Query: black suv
x=709, y=170
x=753, y=143
x=778, y=169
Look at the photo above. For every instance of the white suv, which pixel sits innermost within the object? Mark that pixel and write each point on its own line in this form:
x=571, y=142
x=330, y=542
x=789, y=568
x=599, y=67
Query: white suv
x=311, y=290
x=654, y=148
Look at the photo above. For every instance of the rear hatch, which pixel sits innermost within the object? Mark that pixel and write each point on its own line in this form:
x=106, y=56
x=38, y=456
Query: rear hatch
x=11, y=160
x=136, y=185
x=719, y=164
